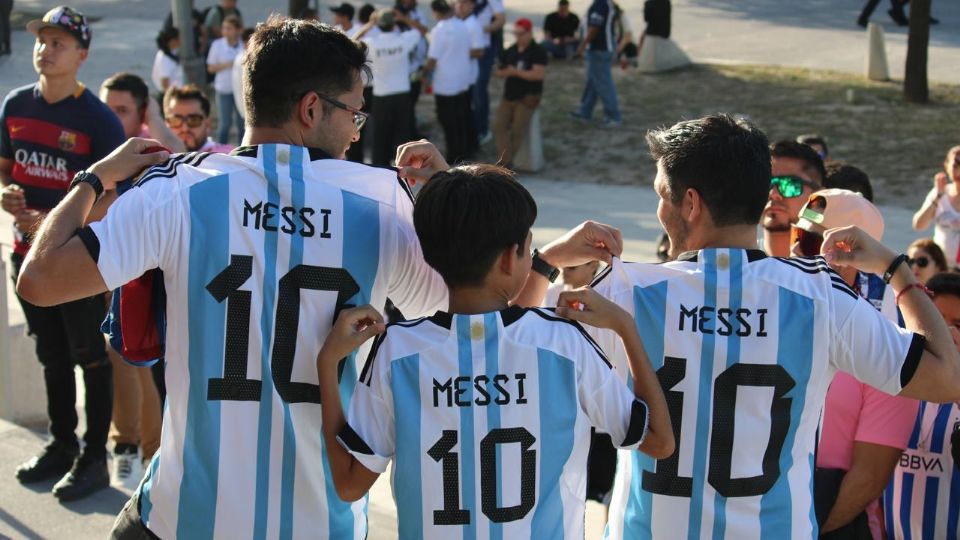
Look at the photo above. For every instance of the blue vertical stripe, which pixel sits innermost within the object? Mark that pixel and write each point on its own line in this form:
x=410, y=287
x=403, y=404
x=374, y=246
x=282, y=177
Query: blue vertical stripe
x=264, y=418
x=795, y=354
x=206, y=318
x=407, y=488
x=733, y=356
x=930, y=506
x=888, y=506
x=915, y=436
x=491, y=345
x=939, y=432
x=953, y=508
x=650, y=306
x=289, y=461
x=467, y=468
x=906, y=502
x=145, y=486
x=557, y=382
x=704, y=398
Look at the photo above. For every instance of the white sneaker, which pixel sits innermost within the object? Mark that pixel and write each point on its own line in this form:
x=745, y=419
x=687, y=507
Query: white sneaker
x=126, y=470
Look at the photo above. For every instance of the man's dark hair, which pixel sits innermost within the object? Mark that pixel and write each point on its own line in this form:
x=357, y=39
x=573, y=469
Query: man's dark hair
x=128, y=82
x=184, y=93
x=947, y=283
x=467, y=216
x=811, y=139
x=246, y=35
x=440, y=6
x=286, y=58
x=812, y=163
x=365, y=12
x=726, y=160
x=843, y=176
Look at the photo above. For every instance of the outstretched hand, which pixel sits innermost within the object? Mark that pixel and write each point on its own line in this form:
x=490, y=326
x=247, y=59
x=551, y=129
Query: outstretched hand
x=353, y=327
x=851, y=246
x=589, y=241
x=128, y=160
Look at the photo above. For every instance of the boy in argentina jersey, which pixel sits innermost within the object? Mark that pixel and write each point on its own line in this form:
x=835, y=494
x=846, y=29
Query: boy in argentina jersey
x=745, y=346
x=259, y=251
x=922, y=501
x=486, y=410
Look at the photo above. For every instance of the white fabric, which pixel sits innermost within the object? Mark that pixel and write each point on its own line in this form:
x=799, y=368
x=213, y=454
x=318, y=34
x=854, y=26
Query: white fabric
x=946, y=228
x=477, y=41
x=322, y=224
x=165, y=67
x=745, y=350
x=452, y=54
x=221, y=52
x=493, y=7
x=471, y=379
x=389, y=55
x=236, y=78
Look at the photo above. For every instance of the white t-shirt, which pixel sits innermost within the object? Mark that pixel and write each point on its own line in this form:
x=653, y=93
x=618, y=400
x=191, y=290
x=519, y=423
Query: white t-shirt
x=946, y=228
x=258, y=251
x=486, y=9
x=236, y=77
x=494, y=410
x=389, y=54
x=165, y=67
x=745, y=347
x=221, y=52
x=451, y=50
x=478, y=40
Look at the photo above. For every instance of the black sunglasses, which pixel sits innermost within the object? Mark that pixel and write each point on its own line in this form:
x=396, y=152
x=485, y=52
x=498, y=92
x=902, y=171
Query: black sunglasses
x=192, y=120
x=922, y=261
x=359, y=117
x=790, y=186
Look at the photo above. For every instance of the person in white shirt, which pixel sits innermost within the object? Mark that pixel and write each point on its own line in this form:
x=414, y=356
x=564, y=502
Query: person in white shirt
x=220, y=59
x=492, y=17
x=465, y=12
x=166, y=64
x=236, y=75
x=449, y=61
x=343, y=19
x=417, y=59
x=389, y=54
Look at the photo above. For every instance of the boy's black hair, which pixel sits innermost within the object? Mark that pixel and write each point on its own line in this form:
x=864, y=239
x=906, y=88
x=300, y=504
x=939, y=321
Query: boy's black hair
x=843, y=176
x=467, y=216
x=725, y=159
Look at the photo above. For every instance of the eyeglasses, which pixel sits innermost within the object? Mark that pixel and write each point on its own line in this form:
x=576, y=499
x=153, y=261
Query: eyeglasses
x=921, y=261
x=790, y=186
x=193, y=120
x=808, y=243
x=359, y=117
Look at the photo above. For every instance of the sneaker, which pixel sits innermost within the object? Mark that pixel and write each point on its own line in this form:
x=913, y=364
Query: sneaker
x=610, y=123
x=485, y=138
x=89, y=474
x=898, y=16
x=52, y=462
x=126, y=465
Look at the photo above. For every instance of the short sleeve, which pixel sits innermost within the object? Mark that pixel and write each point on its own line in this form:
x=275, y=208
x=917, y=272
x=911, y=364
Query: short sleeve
x=370, y=432
x=886, y=420
x=868, y=346
x=597, y=15
x=6, y=147
x=607, y=401
x=415, y=288
x=213, y=57
x=137, y=233
x=436, y=43
x=496, y=6
x=411, y=38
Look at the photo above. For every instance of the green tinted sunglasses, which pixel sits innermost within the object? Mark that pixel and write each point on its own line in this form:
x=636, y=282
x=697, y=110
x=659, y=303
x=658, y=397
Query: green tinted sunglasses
x=790, y=186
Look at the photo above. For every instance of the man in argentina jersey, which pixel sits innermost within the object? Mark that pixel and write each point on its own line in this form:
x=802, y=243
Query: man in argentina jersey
x=487, y=410
x=745, y=346
x=922, y=501
x=259, y=251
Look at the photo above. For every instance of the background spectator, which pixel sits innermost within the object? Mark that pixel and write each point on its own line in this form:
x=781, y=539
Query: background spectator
x=129, y=98
x=236, y=77
x=523, y=66
x=656, y=13
x=926, y=259
x=343, y=19
x=940, y=207
x=449, y=61
x=843, y=176
x=6, y=8
x=214, y=16
x=491, y=15
x=627, y=51
x=201, y=37
x=167, y=71
x=465, y=11
x=797, y=172
x=418, y=58
x=223, y=51
x=187, y=112
x=561, y=31
x=818, y=143
x=600, y=45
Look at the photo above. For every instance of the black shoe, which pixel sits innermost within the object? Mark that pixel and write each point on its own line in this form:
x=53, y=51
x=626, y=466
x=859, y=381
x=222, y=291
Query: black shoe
x=898, y=17
x=862, y=21
x=53, y=462
x=88, y=474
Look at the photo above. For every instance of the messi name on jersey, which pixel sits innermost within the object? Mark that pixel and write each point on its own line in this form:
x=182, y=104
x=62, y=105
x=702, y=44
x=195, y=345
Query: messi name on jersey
x=723, y=321
x=456, y=391
x=287, y=219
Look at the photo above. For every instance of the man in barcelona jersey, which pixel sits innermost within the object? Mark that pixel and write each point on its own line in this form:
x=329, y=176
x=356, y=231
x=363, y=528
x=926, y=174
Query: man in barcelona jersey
x=745, y=346
x=485, y=409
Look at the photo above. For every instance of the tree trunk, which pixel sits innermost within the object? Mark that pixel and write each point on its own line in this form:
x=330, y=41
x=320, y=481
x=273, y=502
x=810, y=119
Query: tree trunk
x=915, y=87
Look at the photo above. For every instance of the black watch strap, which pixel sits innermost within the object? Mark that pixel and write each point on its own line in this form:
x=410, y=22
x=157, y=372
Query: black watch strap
x=888, y=275
x=544, y=268
x=86, y=177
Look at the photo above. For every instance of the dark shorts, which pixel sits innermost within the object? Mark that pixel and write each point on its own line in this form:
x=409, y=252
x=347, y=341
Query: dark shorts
x=601, y=467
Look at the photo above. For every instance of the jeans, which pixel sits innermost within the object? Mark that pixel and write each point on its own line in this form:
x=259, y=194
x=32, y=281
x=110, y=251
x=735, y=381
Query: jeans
x=600, y=85
x=229, y=114
x=69, y=335
x=559, y=51
x=481, y=96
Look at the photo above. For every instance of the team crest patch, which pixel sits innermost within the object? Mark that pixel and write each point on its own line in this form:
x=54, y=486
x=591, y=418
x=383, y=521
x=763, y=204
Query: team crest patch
x=67, y=141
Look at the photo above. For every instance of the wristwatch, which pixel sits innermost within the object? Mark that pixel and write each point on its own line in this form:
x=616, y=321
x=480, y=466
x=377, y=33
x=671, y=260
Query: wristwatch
x=888, y=275
x=86, y=177
x=544, y=268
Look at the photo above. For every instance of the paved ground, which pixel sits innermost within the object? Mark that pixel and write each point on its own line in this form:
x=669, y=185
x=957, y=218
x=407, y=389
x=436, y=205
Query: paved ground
x=761, y=31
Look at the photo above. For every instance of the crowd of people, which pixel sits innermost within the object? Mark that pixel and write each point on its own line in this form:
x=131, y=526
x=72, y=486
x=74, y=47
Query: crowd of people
x=811, y=386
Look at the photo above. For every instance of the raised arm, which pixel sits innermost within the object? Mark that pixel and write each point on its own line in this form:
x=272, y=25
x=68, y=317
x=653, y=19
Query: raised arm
x=928, y=210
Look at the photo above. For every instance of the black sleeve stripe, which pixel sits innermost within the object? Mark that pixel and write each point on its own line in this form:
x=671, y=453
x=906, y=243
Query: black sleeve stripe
x=169, y=169
x=910, y=364
x=543, y=313
x=405, y=187
x=602, y=275
x=366, y=375
x=846, y=291
x=638, y=424
x=91, y=242
x=352, y=440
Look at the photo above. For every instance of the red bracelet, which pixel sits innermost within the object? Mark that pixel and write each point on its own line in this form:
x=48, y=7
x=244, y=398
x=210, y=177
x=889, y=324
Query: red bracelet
x=916, y=285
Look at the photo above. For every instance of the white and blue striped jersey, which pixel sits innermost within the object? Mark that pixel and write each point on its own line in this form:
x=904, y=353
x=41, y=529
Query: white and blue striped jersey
x=922, y=501
x=487, y=418
x=745, y=347
x=259, y=251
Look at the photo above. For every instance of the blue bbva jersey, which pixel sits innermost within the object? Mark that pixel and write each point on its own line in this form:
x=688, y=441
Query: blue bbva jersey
x=259, y=251
x=745, y=347
x=488, y=418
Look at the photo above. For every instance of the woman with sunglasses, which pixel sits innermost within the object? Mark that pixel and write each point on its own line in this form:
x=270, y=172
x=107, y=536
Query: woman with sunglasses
x=926, y=259
x=942, y=207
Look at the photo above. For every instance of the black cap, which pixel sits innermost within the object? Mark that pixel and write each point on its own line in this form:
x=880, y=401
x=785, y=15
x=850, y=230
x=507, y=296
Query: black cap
x=344, y=9
x=440, y=6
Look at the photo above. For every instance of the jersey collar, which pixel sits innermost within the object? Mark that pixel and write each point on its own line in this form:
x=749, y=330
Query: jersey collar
x=316, y=154
x=692, y=256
